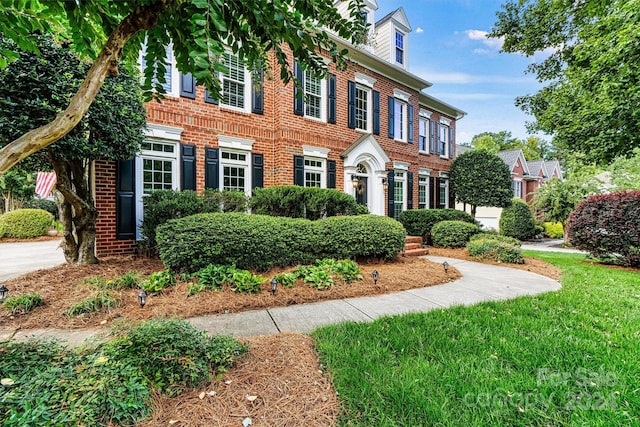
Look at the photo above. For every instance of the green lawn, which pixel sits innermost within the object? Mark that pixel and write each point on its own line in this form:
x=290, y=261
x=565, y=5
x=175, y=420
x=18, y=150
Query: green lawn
x=570, y=357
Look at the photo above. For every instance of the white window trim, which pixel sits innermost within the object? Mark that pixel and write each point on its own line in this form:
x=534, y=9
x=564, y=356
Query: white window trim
x=424, y=119
x=369, y=91
x=405, y=40
x=236, y=163
x=322, y=170
x=175, y=76
x=425, y=114
x=402, y=168
x=323, y=100
x=364, y=80
x=310, y=151
x=235, y=143
x=424, y=173
x=518, y=186
x=404, y=122
x=401, y=95
x=445, y=152
x=446, y=189
x=247, y=90
x=445, y=121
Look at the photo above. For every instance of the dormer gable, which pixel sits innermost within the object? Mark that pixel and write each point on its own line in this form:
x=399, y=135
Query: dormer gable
x=367, y=13
x=392, y=38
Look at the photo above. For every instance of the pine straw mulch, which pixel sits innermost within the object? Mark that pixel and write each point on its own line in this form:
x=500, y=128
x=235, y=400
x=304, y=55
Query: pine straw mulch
x=278, y=383
x=63, y=286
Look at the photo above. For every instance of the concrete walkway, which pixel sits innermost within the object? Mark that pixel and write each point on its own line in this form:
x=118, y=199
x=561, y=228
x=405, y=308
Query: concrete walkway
x=480, y=282
x=550, y=245
x=20, y=258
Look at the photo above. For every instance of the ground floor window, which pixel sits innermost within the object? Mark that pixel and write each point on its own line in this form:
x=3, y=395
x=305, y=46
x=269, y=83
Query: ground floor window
x=314, y=171
x=235, y=171
x=443, y=190
x=398, y=194
x=423, y=192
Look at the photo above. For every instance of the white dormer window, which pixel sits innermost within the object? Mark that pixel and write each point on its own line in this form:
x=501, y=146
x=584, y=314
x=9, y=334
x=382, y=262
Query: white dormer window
x=399, y=48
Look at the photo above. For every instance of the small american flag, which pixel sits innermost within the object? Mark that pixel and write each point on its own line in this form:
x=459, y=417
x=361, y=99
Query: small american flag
x=44, y=183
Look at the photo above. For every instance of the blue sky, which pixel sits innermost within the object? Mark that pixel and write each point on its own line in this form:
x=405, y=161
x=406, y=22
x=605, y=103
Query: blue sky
x=447, y=47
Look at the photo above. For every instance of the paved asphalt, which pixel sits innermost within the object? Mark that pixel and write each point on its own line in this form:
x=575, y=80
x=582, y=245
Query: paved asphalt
x=17, y=259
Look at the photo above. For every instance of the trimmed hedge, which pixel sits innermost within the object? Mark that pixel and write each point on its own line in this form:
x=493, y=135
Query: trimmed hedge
x=258, y=242
x=607, y=226
x=517, y=221
x=26, y=223
x=495, y=250
x=496, y=237
x=312, y=203
x=163, y=205
x=2, y=228
x=553, y=230
x=419, y=222
x=453, y=234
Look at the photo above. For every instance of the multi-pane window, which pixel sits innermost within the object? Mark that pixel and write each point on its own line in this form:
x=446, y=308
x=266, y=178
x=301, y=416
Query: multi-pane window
x=398, y=194
x=517, y=188
x=169, y=68
x=423, y=134
x=399, y=47
x=313, y=96
x=158, y=166
x=399, y=120
x=444, y=194
x=313, y=172
x=233, y=82
x=362, y=108
x=423, y=192
x=443, y=140
x=234, y=171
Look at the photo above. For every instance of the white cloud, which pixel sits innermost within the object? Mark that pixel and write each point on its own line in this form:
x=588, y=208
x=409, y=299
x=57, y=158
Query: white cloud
x=494, y=44
x=470, y=96
x=419, y=30
x=455, y=77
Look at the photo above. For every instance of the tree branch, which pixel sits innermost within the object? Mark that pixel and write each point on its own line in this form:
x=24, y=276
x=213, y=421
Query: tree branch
x=144, y=17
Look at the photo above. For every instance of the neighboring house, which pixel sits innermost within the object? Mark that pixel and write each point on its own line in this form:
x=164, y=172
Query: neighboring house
x=526, y=178
x=369, y=131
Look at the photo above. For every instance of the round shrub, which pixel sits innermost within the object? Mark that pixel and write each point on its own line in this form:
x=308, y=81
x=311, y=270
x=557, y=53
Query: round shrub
x=517, y=221
x=26, y=223
x=495, y=250
x=453, y=234
x=607, y=227
x=419, y=222
x=496, y=237
x=259, y=242
x=2, y=228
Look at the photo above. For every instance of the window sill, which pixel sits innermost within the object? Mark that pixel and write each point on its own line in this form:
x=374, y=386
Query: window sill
x=235, y=109
x=316, y=119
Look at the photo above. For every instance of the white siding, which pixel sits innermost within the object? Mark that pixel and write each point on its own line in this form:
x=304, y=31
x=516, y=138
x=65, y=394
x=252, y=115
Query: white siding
x=383, y=41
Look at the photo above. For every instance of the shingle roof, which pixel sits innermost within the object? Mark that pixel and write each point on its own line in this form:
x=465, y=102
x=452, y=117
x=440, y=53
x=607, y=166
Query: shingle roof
x=535, y=166
x=510, y=157
x=552, y=165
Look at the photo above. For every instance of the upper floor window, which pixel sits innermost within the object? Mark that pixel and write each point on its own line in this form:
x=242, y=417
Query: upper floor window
x=171, y=76
x=443, y=140
x=234, y=83
x=399, y=48
x=313, y=92
x=423, y=134
x=400, y=120
x=362, y=107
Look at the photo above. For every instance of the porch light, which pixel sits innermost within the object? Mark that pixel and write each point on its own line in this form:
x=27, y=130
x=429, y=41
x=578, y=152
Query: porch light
x=446, y=266
x=142, y=298
x=375, y=276
x=385, y=184
x=4, y=291
x=355, y=181
x=274, y=285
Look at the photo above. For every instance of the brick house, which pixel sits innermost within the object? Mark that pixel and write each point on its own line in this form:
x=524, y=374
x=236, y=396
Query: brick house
x=370, y=131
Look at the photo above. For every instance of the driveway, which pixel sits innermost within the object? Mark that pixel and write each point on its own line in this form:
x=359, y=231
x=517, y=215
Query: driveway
x=17, y=259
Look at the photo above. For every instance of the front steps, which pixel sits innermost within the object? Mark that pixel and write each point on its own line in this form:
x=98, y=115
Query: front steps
x=413, y=247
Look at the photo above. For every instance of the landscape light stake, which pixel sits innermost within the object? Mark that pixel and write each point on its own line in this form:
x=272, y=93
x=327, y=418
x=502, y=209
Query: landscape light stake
x=274, y=286
x=4, y=291
x=375, y=276
x=142, y=298
x=446, y=266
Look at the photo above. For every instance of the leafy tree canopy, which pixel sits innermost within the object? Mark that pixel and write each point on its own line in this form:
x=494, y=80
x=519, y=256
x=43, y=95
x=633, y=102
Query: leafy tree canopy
x=591, y=104
x=533, y=147
x=480, y=178
x=625, y=172
x=199, y=32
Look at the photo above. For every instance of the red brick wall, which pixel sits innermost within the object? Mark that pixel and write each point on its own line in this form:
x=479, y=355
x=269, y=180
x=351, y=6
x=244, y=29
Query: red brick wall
x=278, y=134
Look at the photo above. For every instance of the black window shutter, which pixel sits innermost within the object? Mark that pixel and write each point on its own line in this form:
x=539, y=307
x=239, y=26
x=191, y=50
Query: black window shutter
x=331, y=98
x=188, y=167
x=438, y=151
x=390, y=192
x=391, y=112
x=257, y=171
x=352, y=104
x=298, y=170
x=376, y=112
x=298, y=92
x=211, y=168
x=257, y=91
x=331, y=174
x=409, y=190
x=451, y=143
x=187, y=86
x=438, y=201
x=432, y=193
x=410, y=124
x=209, y=99
x=452, y=198
x=125, y=200
x=432, y=137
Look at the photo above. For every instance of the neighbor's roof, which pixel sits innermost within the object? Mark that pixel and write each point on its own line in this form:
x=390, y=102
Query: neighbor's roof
x=510, y=157
x=535, y=166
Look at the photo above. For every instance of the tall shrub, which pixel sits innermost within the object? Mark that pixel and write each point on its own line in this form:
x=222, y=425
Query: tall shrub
x=26, y=223
x=608, y=226
x=312, y=203
x=418, y=222
x=517, y=221
x=453, y=234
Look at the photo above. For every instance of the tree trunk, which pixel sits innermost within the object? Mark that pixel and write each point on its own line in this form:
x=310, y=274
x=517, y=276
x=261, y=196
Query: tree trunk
x=144, y=17
x=473, y=211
